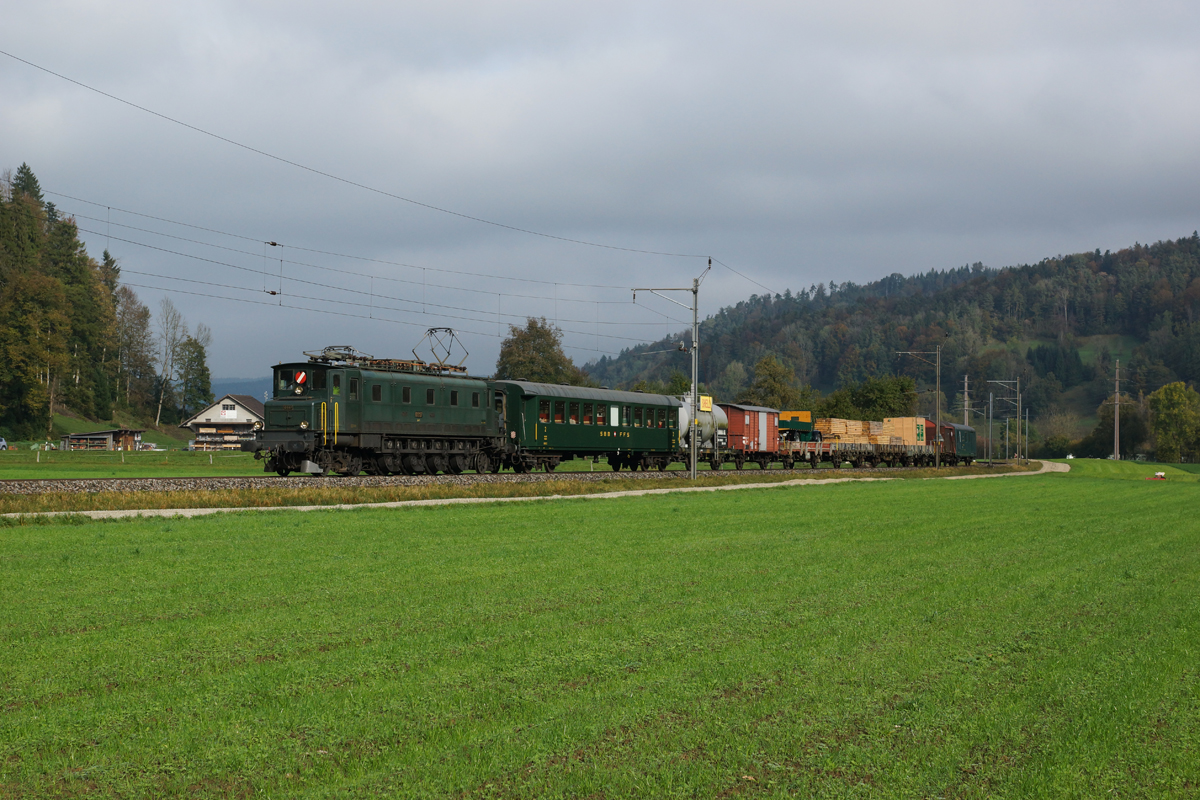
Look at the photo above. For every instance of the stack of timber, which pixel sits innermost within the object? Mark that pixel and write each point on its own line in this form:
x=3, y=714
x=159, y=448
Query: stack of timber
x=909, y=430
x=850, y=431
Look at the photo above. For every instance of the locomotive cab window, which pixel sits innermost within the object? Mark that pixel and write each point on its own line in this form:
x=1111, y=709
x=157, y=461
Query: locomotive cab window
x=377, y=392
x=474, y=399
x=573, y=415
x=354, y=388
x=543, y=411
x=453, y=397
x=429, y=397
x=337, y=385
x=406, y=394
x=587, y=413
x=318, y=379
x=284, y=381
x=559, y=410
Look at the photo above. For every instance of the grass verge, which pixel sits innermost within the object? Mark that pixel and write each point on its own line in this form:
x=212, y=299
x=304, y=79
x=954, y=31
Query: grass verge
x=336, y=495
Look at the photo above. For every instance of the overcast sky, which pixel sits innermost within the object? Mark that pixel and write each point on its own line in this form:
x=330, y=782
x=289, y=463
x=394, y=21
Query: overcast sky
x=796, y=142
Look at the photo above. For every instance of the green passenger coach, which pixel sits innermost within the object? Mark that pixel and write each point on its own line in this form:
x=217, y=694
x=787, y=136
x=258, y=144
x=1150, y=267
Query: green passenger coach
x=548, y=423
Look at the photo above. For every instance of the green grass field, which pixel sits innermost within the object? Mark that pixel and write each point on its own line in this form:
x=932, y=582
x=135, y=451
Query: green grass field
x=25, y=464
x=1024, y=637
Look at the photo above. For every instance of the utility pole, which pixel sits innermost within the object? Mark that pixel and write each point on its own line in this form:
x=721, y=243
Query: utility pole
x=1012, y=386
x=1018, y=419
x=694, y=427
x=1026, y=435
x=1117, y=417
x=937, y=437
x=991, y=416
x=966, y=402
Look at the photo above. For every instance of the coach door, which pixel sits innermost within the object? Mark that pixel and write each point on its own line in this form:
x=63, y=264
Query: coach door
x=500, y=405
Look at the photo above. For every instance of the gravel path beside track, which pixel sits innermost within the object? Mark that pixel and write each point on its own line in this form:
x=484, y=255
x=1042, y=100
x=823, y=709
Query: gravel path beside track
x=1046, y=466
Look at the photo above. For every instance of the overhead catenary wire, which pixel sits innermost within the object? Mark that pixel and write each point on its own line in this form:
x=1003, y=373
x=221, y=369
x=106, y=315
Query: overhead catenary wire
x=341, y=271
x=273, y=243
x=318, y=284
x=330, y=312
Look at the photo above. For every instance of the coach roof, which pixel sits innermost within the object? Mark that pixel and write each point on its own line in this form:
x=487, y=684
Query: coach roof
x=590, y=393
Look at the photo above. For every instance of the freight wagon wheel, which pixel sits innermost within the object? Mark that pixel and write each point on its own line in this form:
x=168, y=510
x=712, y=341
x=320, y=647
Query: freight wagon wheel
x=282, y=472
x=714, y=465
x=739, y=462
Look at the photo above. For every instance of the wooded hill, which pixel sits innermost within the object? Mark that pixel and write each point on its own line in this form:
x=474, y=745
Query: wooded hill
x=73, y=339
x=1059, y=325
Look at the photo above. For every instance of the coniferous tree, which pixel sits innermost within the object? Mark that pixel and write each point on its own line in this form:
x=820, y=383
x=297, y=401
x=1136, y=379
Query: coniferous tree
x=26, y=182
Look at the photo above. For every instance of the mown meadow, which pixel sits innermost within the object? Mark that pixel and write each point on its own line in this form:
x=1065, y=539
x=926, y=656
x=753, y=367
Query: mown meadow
x=1032, y=636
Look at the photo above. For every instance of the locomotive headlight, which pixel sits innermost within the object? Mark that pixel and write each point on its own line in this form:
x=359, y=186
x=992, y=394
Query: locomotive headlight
x=304, y=425
x=299, y=390
x=257, y=425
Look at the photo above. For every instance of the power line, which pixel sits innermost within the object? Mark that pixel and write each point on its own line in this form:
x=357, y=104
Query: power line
x=326, y=252
x=346, y=271
x=355, y=291
x=327, y=311
x=747, y=277
x=340, y=179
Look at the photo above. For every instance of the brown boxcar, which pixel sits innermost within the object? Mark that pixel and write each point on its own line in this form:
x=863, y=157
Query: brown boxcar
x=752, y=429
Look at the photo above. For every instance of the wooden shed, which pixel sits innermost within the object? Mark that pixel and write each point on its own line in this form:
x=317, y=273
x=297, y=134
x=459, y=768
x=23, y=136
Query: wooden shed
x=116, y=439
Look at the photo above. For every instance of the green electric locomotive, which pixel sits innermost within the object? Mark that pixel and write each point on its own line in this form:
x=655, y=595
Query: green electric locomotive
x=343, y=412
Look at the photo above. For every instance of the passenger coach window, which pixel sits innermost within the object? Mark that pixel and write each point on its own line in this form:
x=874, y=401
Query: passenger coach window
x=662, y=418
x=354, y=388
x=637, y=417
x=587, y=413
x=601, y=415
x=453, y=397
x=543, y=411
x=406, y=394
x=474, y=399
x=559, y=408
x=624, y=416
x=573, y=417
x=429, y=397
x=377, y=392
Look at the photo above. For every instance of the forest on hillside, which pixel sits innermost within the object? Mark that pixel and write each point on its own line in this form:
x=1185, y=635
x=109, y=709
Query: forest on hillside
x=1058, y=325
x=73, y=339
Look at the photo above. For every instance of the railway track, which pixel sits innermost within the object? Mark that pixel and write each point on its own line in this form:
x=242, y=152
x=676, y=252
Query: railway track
x=99, y=485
